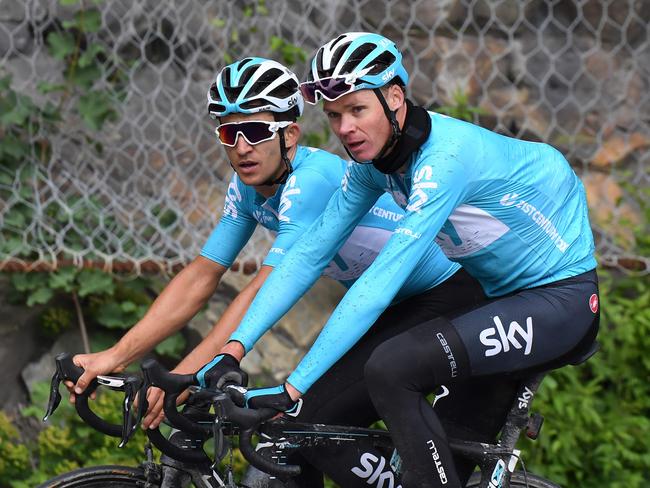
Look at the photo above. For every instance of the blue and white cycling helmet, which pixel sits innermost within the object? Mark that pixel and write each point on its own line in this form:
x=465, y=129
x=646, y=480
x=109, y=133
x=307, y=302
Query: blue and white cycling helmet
x=353, y=61
x=357, y=61
x=255, y=85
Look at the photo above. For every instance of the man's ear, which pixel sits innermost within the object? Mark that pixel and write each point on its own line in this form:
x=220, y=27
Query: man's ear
x=292, y=134
x=396, y=97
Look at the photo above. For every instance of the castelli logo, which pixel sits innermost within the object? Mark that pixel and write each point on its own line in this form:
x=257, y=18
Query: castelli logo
x=593, y=303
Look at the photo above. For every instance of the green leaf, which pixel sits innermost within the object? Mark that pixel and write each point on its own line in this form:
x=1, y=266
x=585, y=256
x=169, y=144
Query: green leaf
x=61, y=44
x=95, y=109
x=96, y=282
x=67, y=3
x=28, y=281
x=276, y=43
x=16, y=110
x=47, y=87
x=218, y=23
x=40, y=296
x=112, y=316
x=5, y=83
x=90, y=21
x=63, y=279
x=85, y=76
x=172, y=346
x=90, y=54
x=128, y=306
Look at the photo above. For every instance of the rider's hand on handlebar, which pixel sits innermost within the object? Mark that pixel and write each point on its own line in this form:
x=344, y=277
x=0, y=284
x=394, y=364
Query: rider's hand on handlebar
x=223, y=369
x=94, y=364
x=155, y=414
x=275, y=397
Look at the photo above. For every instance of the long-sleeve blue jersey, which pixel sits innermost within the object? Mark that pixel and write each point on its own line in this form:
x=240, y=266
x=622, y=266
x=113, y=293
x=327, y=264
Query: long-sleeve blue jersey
x=296, y=205
x=512, y=212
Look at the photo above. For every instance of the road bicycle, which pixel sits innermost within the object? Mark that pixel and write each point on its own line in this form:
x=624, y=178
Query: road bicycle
x=215, y=415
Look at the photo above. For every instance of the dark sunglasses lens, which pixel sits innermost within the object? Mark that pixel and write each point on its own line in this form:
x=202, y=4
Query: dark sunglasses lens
x=329, y=88
x=308, y=91
x=227, y=134
x=336, y=87
x=254, y=132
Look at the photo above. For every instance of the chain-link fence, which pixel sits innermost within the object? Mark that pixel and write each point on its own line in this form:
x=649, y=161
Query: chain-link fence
x=109, y=159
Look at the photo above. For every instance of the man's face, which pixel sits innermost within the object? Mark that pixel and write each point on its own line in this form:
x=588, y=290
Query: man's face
x=359, y=121
x=255, y=164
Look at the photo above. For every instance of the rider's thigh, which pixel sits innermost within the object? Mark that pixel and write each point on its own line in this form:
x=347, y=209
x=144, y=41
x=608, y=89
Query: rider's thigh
x=530, y=328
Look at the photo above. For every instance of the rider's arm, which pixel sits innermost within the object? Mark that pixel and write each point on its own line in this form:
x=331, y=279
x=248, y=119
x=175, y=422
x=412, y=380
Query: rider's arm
x=181, y=299
x=224, y=327
x=431, y=200
x=184, y=296
x=304, y=197
x=305, y=261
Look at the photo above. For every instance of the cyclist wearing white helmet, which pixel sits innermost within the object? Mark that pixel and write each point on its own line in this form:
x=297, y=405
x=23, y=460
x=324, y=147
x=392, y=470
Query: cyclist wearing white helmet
x=282, y=186
x=512, y=212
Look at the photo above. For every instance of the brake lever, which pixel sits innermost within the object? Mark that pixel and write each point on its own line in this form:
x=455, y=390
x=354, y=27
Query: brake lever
x=55, y=397
x=65, y=370
x=132, y=385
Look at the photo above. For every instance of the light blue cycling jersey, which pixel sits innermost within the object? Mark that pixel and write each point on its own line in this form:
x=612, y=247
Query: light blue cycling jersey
x=513, y=213
x=296, y=205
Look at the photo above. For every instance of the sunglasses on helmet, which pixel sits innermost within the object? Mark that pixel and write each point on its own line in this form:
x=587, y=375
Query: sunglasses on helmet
x=254, y=131
x=332, y=87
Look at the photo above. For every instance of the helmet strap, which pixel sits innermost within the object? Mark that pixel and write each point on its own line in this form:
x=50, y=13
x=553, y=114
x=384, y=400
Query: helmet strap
x=288, y=168
x=416, y=130
x=394, y=125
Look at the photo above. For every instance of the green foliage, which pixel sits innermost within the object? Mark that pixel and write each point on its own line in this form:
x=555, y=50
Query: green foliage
x=14, y=456
x=66, y=444
x=106, y=300
x=28, y=127
x=317, y=139
x=173, y=346
x=290, y=53
x=460, y=107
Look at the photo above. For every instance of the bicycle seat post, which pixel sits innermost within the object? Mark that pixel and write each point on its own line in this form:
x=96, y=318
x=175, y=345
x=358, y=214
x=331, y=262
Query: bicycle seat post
x=517, y=418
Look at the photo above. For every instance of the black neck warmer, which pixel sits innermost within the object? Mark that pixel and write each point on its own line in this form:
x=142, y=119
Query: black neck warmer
x=416, y=130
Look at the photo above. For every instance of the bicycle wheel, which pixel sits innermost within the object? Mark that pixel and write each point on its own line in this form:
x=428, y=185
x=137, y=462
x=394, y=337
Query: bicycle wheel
x=99, y=476
x=518, y=480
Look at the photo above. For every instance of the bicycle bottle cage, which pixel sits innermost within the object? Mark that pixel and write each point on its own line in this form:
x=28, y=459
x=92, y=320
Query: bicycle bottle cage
x=66, y=370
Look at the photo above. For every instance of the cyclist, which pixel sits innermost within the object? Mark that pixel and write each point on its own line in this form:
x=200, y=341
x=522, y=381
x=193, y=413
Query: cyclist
x=284, y=187
x=512, y=212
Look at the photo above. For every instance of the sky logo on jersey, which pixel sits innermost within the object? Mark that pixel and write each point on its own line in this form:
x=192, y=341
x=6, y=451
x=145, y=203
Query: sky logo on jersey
x=285, y=201
x=372, y=470
x=505, y=339
x=510, y=199
x=345, y=180
x=421, y=183
x=233, y=195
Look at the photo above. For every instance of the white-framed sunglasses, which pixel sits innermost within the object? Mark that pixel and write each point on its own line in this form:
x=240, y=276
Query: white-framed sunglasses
x=254, y=131
x=332, y=87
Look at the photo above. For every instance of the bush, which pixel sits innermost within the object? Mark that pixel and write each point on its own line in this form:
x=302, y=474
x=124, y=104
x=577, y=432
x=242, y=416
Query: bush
x=66, y=444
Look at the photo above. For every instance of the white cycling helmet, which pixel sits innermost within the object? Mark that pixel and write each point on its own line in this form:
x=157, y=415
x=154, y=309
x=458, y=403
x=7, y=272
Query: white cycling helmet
x=255, y=85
